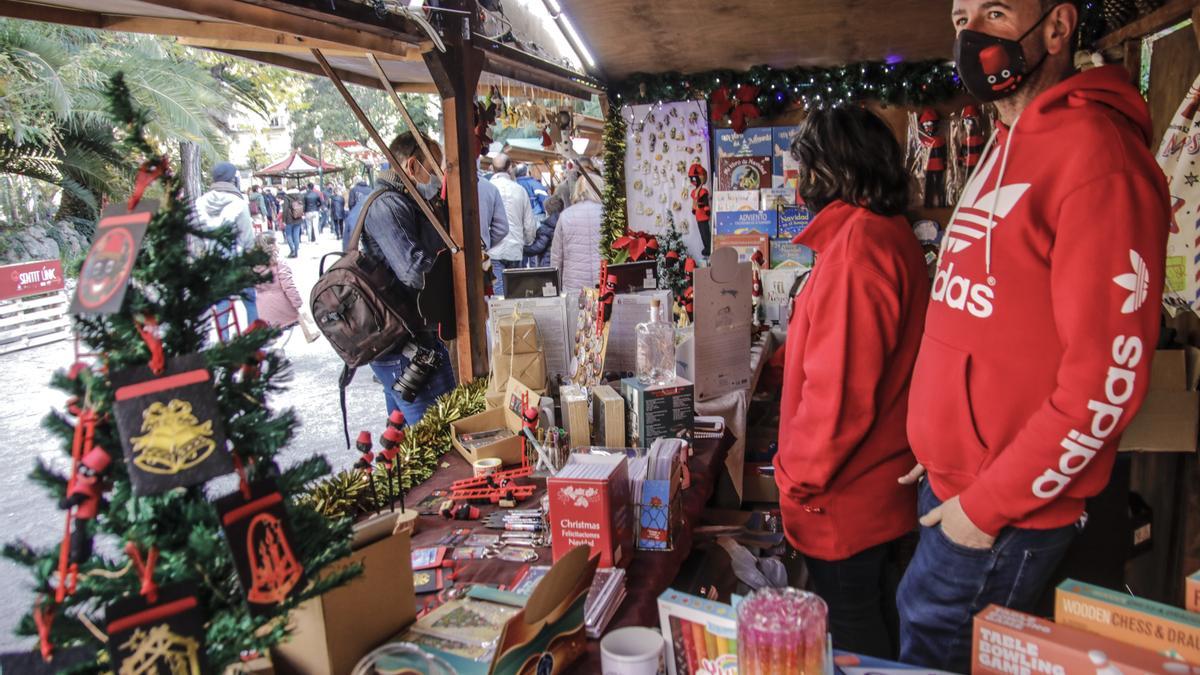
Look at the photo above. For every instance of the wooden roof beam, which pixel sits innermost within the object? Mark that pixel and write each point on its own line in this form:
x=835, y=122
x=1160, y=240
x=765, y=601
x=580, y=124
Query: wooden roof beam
x=313, y=68
x=284, y=47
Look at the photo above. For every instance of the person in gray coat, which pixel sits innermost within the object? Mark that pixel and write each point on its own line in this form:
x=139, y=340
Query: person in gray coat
x=575, y=250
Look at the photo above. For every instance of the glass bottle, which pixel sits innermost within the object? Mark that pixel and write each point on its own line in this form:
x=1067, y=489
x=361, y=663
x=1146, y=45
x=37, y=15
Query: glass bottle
x=655, y=348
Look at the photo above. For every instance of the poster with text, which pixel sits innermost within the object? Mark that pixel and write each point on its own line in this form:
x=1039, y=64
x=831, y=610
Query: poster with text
x=663, y=141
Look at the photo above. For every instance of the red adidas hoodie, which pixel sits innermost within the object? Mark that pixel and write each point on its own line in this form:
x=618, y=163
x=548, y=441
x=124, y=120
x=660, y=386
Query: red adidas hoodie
x=1045, y=309
x=850, y=349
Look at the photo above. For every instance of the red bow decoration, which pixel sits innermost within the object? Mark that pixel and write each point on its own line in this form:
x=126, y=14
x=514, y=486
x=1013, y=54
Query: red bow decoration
x=637, y=246
x=740, y=108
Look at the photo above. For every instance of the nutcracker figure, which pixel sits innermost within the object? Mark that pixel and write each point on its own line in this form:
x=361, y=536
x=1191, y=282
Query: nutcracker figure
x=935, y=165
x=83, y=494
x=971, y=150
x=701, y=205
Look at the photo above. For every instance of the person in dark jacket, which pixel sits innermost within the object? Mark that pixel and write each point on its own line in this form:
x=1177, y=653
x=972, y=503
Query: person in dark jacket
x=397, y=232
x=272, y=208
x=314, y=201
x=358, y=192
x=537, y=254
x=337, y=210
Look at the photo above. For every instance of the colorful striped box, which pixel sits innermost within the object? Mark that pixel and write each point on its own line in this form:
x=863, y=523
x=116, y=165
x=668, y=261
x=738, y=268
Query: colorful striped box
x=701, y=634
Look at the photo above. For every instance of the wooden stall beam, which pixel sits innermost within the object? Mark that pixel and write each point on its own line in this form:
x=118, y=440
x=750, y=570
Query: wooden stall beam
x=391, y=90
x=382, y=144
x=456, y=73
x=1170, y=13
x=306, y=66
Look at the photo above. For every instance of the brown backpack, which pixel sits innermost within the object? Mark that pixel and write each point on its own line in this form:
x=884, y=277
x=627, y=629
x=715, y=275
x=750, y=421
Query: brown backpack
x=296, y=206
x=360, y=307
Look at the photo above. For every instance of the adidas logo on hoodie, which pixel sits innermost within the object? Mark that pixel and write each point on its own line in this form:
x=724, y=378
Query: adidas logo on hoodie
x=974, y=219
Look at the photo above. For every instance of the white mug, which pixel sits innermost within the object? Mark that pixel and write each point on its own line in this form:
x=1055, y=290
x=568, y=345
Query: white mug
x=632, y=651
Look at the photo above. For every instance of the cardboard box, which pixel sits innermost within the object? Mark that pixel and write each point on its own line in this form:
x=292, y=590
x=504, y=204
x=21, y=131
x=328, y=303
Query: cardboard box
x=1167, y=630
x=1192, y=601
x=701, y=634
x=653, y=412
x=329, y=634
x=1007, y=641
x=517, y=334
x=757, y=487
x=507, y=449
x=575, y=418
x=608, y=417
x=529, y=369
x=1169, y=419
x=592, y=512
x=723, y=324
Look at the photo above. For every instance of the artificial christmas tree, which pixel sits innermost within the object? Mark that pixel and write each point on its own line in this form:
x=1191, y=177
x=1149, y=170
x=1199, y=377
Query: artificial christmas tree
x=674, y=269
x=184, y=591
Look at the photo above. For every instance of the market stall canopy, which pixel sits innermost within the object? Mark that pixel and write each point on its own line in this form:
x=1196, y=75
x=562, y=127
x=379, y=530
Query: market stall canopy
x=687, y=36
x=297, y=165
x=360, y=152
x=284, y=33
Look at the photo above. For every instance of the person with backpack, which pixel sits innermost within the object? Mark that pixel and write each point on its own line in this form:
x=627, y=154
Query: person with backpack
x=537, y=254
x=314, y=202
x=225, y=206
x=359, y=192
x=258, y=208
x=393, y=230
x=536, y=191
x=293, y=222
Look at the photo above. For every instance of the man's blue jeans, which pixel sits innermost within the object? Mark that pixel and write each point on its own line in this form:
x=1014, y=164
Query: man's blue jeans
x=498, y=267
x=389, y=369
x=947, y=584
x=291, y=233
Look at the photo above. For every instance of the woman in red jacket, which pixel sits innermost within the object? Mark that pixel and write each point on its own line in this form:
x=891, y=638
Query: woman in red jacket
x=851, y=345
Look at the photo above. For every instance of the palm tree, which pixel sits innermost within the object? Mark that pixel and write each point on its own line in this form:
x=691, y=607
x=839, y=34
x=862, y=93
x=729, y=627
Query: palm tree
x=53, y=123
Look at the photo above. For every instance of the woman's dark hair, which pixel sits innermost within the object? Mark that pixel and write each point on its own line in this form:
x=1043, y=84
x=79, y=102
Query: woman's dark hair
x=848, y=153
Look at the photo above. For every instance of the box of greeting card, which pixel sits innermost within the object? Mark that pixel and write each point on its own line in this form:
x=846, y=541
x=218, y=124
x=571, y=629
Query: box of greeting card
x=589, y=506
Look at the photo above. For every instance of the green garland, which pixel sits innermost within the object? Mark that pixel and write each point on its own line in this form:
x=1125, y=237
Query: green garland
x=349, y=493
x=613, y=223
x=903, y=83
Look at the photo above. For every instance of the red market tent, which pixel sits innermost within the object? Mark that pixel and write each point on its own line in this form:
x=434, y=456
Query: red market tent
x=297, y=165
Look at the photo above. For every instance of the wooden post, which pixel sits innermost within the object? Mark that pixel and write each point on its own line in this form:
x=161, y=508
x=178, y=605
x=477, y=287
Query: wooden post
x=456, y=74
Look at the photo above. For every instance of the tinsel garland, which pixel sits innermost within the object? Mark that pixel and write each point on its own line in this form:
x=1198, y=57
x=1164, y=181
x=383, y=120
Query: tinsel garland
x=613, y=223
x=348, y=493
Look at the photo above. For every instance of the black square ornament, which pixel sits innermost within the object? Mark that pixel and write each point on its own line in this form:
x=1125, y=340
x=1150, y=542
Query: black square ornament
x=170, y=425
x=165, y=636
x=261, y=542
x=106, y=270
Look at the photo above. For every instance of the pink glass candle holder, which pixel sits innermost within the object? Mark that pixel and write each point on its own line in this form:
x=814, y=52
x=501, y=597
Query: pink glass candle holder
x=782, y=631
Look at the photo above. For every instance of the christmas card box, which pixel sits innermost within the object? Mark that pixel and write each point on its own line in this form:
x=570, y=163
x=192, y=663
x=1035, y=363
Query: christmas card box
x=507, y=448
x=723, y=322
x=791, y=221
x=1122, y=617
x=658, y=411
x=589, y=506
x=744, y=172
x=786, y=254
x=1169, y=419
x=1007, y=641
x=701, y=634
x=330, y=633
x=1193, y=592
x=745, y=222
x=746, y=246
x=751, y=142
x=735, y=200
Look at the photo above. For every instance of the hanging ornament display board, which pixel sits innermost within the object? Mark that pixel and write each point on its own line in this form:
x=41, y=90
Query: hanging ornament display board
x=1179, y=156
x=663, y=142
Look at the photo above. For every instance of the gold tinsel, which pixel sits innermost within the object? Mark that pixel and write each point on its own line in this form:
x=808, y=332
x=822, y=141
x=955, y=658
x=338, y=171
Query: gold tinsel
x=348, y=493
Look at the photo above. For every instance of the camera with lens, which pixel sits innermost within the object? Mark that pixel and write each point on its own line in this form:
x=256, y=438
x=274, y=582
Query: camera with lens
x=423, y=362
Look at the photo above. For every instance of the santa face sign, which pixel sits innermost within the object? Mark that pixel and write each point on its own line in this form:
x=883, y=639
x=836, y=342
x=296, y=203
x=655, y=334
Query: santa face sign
x=106, y=270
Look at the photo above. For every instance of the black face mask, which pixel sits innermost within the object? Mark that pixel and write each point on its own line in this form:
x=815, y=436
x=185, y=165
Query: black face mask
x=993, y=67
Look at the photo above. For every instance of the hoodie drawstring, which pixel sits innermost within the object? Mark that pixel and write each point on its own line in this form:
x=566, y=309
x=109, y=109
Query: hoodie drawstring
x=996, y=198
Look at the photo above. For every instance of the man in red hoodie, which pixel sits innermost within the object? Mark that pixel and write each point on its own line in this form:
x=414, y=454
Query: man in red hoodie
x=1041, y=327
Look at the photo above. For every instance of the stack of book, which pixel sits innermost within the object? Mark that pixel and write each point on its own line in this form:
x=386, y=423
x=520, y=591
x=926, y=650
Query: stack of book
x=606, y=595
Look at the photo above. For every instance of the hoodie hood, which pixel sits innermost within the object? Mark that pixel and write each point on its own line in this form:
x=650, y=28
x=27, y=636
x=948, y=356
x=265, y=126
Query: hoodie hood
x=1105, y=88
x=214, y=202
